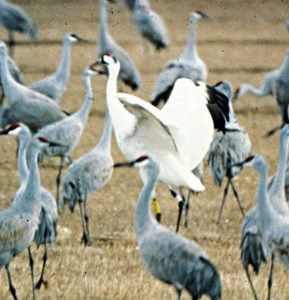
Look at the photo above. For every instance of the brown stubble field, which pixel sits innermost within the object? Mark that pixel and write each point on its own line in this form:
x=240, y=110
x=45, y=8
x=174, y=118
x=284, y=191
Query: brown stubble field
x=242, y=41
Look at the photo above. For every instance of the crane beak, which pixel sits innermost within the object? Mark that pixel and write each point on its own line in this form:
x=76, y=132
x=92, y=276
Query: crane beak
x=5, y=131
x=124, y=164
x=238, y=164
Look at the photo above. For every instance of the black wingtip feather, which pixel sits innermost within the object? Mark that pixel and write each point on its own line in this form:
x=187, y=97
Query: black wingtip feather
x=218, y=105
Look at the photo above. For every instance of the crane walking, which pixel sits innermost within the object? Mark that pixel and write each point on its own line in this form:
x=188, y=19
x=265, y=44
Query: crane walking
x=170, y=257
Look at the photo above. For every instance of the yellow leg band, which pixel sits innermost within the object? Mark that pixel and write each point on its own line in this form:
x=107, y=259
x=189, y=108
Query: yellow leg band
x=156, y=206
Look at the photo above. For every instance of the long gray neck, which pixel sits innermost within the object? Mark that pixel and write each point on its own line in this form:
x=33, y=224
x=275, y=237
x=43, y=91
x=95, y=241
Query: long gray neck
x=191, y=52
x=277, y=189
x=143, y=218
x=256, y=92
x=8, y=83
x=105, y=139
x=103, y=30
x=86, y=105
x=31, y=194
x=22, y=158
x=262, y=195
x=284, y=70
x=63, y=71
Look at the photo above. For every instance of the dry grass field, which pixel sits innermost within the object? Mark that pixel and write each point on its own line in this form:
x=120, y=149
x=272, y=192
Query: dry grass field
x=241, y=42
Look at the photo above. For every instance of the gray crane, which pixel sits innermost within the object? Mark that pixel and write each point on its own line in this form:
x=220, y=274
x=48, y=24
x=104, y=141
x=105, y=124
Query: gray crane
x=46, y=232
x=169, y=135
x=286, y=182
x=253, y=247
x=129, y=73
x=150, y=25
x=170, y=257
x=19, y=221
x=188, y=65
x=87, y=175
x=15, y=73
x=68, y=131
x=272, y=226
x=230, y=145
x=29, y=107
x=14, y=18
x=55, y=85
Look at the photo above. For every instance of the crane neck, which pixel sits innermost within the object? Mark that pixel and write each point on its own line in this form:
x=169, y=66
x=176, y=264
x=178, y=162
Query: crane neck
x=105, y=140
x=63, y=71
x=22, y=157
x=284, y=70
x=31, y=193
x=247, y=88
x=191, y=52
x=143, y=219
x=103, y=29
x=88, y=100
x=9, y=85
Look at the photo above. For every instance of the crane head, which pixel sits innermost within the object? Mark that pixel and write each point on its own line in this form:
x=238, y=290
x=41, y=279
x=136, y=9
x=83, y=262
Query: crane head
x=13, y=129
x=133, y=163
x=236, y=93
x=197, y=14
x=73, y=38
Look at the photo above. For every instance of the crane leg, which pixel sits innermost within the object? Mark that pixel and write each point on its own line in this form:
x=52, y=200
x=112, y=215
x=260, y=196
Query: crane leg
x=187, y=206
x=11, y=43
x=58, y=179
x=181, y=205
x=31, y=263
x=223, y=202
x=237, y=197
x=270, y=280
x=86, y=219
x=251, y=284
x=179, y=293
x=84, y=236
x=45, y=257
x=11, y=286
x=157, y=210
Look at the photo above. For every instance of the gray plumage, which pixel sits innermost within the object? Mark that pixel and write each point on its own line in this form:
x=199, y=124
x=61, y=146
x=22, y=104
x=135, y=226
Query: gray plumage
x=229, y=146
x=188, y=65
x=150, y=25
x=286, y=182
x=67, y=132
x=253, y=246
x=170, y=257
x=19, y=222
x=29, y=107
x=46, y=231
x=128, y=73
x=87, y=175
x=13, y=18
x=55, y=85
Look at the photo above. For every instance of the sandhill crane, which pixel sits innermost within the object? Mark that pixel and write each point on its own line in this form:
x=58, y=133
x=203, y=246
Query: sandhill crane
x=265, y=89
x=55, y=85
x=13, y=18
x=188, y=65
x=253, y=247
x=68, y=131
x=128, y=74
x=46, y=232
x=170, y=257
x=29, y=107
x=15, y=73
x=273, y=226
x=150, y=25
x=286, y=182
x=19, y=221
x=169, y=135
x=230, y=145
x=87, y=175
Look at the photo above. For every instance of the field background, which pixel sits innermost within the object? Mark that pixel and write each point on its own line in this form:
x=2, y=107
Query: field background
x=241, y=42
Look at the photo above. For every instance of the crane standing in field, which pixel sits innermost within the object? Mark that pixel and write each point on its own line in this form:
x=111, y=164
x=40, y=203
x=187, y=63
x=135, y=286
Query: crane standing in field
x=67, y=132
x=55, y=85
x=13, y=18
x=27, y=106
x=150, y=25
x=170, y=257
x=19, y=222
x=87, y=175
x=169, y=135
x=46, y=232
x=128, y=73
x=189, y=65
x=253, y=246
x=229, y=145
